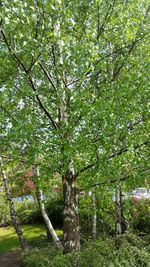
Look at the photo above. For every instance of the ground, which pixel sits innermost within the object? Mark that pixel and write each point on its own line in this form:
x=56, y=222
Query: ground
x=8, y=238
x=9, y=253
x=10, y=259
x=9, y=245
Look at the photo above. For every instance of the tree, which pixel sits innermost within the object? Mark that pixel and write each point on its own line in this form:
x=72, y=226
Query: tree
x=79, y=86
x=40, y=199
x=13, y=216
x=121, y=223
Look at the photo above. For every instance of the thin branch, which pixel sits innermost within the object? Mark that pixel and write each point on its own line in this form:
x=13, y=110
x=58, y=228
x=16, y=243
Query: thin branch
x=33, y=63
x=131, y=47
x=110, y=10
x=129, y=127
x=11, y=158
x=30, y=97
x=128, y=46
x=41, y=104
x=12, y=117
x=47, y=75
x=112, y=181
x=54, y=62
x=90, y=166
x=13, y=53
x=64, y=79
x=21, y=64
x=120, y=152
x=125, y=149
x=88, y=75
x=120, y=49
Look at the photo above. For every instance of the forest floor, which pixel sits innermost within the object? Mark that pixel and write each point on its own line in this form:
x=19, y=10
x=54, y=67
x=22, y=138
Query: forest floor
x=9, y=240
x=10, y=259
x=9, y=245
x=10, y=255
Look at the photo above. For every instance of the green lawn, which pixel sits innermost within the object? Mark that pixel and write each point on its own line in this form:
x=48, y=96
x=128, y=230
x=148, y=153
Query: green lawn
x=9, y=240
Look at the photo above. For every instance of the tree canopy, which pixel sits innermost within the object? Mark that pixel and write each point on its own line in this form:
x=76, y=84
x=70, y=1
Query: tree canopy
x=75, y=87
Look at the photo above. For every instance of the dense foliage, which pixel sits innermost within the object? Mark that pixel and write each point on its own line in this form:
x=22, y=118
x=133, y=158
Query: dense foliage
x=100, y=84
x=75, y=112
x=129, y=250
x=140, y=212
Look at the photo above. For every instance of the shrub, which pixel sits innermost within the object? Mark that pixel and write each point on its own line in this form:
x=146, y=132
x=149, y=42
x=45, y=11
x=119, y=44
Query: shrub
x=24, y=210
x=28, y=212
x=4, y=212
x=106, y=252
x=54, y=207
x=105, y=214
x=140, y=211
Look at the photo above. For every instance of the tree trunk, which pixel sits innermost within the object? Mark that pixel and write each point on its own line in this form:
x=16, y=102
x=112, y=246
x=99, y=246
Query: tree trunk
x=118, y=211
x=46, y=218
x=71, y=228
x=94, y=217
x=121, y=223
x=147, y=186
x=48, y=234
x=15, y=223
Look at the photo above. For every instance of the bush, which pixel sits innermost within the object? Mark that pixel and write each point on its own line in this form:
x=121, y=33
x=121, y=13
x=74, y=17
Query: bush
x=140, y=212
x=28, y=212
x=24, y=210
x=54, y=207
x=105, y=215
x=125, y=251
x=55, y=210
x=4, y=212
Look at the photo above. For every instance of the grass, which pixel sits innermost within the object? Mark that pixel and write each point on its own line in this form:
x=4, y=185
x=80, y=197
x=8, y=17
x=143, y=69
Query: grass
x=9, y=239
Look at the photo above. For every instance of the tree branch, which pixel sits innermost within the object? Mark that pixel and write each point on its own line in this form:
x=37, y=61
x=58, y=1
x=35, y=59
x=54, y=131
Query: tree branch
x=84, y=169
x=120, y=152
x=47, y=75
x=21, y=64
x=33, y=63
x=11, y=158
x=30, y=97
x=131, y=47
x=125, y=149
x=54, y=124
x=113, y=181
x=110, y=10
x=12, y=117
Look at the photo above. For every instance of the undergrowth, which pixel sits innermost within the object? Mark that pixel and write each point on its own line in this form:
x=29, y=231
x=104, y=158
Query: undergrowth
x=126, y=251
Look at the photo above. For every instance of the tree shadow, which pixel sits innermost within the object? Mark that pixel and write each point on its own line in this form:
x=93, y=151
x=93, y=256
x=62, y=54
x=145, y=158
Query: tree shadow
x=8, y=243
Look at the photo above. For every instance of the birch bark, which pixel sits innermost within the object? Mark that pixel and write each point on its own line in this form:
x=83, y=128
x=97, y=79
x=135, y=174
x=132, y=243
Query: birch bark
x=46, y=218
x=13, y=216
x=121, y=222
x=94, y=219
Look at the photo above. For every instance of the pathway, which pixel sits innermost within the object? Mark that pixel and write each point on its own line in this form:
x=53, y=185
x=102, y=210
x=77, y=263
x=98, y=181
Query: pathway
x=10, y=259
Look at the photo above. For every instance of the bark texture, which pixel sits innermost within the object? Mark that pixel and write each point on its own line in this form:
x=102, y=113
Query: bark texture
x=44, y=213
x=94, y=219
x=121, y=223
x=13, y=216
x=71, y=228
x=47, y=220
